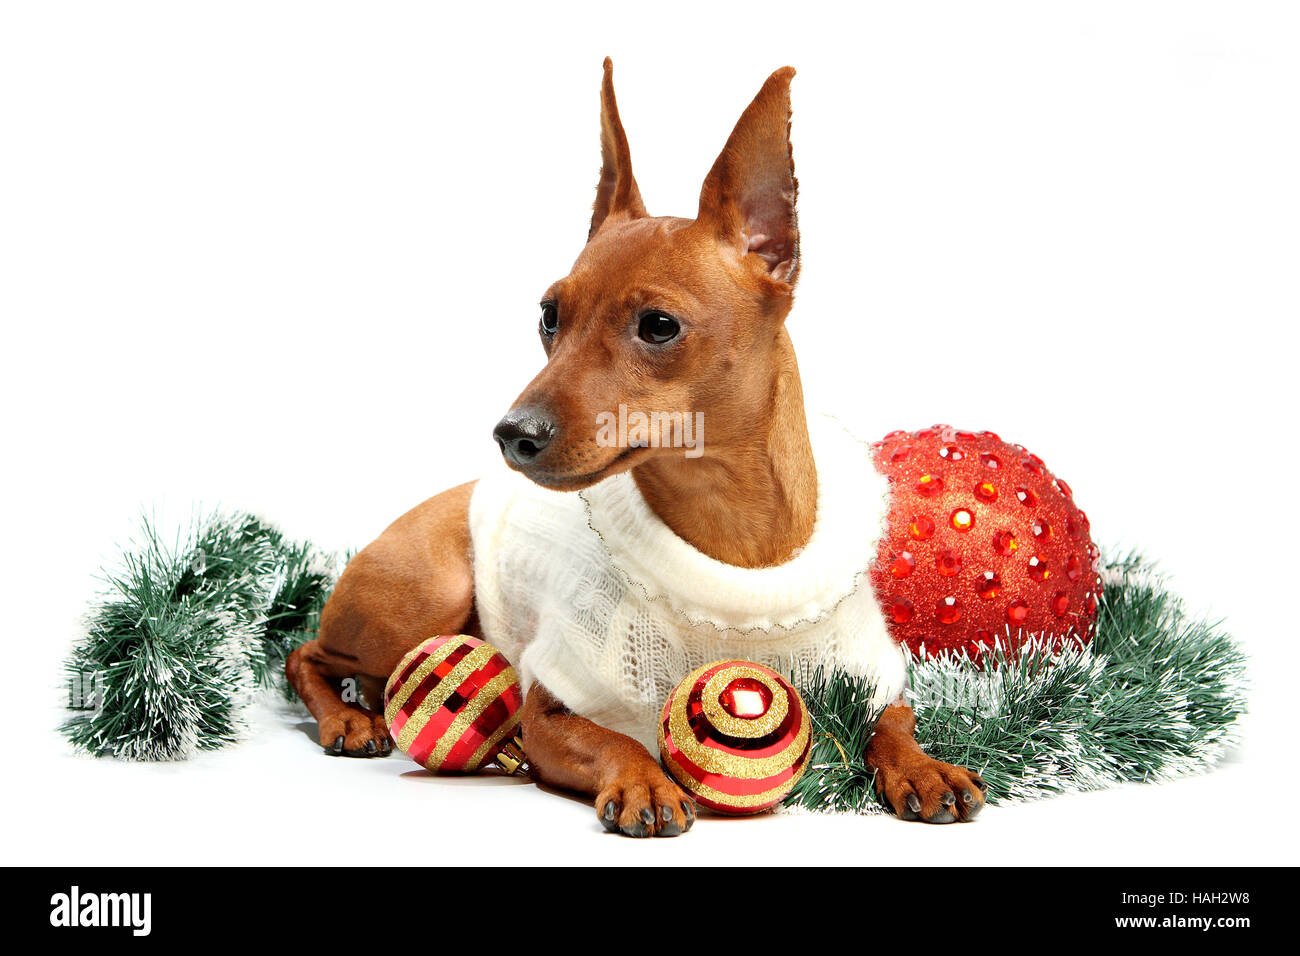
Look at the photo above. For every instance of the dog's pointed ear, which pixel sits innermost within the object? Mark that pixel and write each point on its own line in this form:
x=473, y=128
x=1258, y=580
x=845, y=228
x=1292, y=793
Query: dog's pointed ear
x=749, y=196
x=617, y=192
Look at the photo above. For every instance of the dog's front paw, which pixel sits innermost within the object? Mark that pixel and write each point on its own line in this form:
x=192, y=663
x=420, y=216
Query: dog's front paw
x=354, y=732
x=644, y=802
x=922, y=788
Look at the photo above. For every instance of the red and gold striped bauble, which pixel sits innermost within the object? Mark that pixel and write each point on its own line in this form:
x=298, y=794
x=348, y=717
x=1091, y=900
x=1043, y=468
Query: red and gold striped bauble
x=453, y=704
x=735, y=735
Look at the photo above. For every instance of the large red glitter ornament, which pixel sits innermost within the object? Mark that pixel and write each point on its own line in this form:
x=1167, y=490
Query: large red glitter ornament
x=983, y=544
x=736, y=736
x=452, y=706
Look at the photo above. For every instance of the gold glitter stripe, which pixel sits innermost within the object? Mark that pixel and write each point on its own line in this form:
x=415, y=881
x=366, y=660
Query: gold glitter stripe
x=676, y=699
x=400, y=695
x=733, y=765
x=416, y=720
x=738, y=801
x=498, y=735
x=480, y=702
x=746, y=727
x=712, y=760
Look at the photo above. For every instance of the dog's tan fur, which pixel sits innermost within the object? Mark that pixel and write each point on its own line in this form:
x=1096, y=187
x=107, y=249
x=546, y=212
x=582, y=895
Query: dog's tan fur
x=728, y=275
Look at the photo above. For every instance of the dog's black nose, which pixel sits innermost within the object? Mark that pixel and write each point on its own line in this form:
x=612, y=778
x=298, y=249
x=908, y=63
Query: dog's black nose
x=523, y=434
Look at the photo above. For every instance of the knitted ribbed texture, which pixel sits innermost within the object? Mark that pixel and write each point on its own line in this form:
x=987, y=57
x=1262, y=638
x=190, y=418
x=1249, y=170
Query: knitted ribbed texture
x=593, y=596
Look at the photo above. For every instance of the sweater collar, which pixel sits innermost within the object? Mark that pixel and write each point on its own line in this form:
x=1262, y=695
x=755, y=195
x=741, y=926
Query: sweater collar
x=852, y=503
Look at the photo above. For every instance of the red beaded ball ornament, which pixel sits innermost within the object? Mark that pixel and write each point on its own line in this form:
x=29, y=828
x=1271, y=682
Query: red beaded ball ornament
x=453, y=704
x=735, y=735
x=983, y=544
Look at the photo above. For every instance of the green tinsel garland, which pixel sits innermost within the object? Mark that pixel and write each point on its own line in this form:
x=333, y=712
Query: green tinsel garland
x=1154, y=694
x=187, y=634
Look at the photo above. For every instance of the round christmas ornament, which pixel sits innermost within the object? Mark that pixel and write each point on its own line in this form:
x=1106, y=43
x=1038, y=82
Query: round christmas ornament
x=983, y=545
x=452, y=706
x=735, y=735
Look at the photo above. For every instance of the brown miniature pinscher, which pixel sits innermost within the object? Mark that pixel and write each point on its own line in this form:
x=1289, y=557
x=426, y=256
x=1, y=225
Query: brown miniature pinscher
x=749, y=501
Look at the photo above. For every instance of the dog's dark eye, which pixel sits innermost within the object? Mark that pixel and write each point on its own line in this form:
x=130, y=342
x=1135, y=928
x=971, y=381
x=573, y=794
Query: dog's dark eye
x=658, y=328
x=550, y=323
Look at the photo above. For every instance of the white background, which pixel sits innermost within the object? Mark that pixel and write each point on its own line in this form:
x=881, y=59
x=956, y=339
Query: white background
x=285, y=257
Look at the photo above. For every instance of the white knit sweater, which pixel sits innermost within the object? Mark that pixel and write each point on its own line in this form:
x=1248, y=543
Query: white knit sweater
x=592, y=595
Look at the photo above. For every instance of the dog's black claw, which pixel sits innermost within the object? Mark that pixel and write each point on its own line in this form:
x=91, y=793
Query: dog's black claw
x=914, y=803
x=967, y=796
x=690, y=813
x=640, y=828
x=943, y=816
x=948, y=798
x=670, y=829
x=609, y=817
x=979, y=782
x=337, y=748
x=648, y=816
x=372, y=747
x=668, y=826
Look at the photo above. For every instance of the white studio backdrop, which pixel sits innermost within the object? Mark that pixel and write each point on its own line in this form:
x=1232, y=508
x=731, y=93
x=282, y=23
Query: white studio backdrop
x=286, y=257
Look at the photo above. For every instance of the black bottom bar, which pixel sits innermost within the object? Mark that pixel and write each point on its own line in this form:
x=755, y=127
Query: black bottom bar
x=238, y=905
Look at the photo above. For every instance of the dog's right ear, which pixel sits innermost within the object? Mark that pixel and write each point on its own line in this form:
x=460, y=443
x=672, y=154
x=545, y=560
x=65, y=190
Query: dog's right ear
x=616, y=193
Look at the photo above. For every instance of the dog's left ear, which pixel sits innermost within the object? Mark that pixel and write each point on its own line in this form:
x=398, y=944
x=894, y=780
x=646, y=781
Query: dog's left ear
x=749, y=196
x=617, y=192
